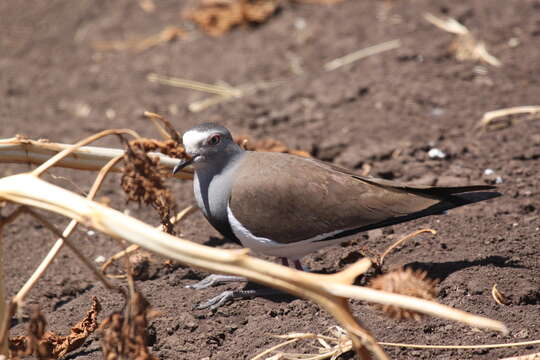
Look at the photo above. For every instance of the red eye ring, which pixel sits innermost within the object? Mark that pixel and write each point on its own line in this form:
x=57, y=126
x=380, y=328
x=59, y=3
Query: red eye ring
x=214, y=139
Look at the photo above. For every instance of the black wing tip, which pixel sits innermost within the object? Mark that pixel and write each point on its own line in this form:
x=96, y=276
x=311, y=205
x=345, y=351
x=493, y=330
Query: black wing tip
x=473, y=197
x=444, y=191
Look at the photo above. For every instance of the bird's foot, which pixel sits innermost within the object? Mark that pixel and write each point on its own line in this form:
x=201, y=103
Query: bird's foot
x=215, y=279
x=229, y=295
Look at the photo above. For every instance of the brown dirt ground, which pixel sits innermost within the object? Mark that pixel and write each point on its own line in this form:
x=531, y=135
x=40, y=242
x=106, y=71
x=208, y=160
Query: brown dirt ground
x=386, y=110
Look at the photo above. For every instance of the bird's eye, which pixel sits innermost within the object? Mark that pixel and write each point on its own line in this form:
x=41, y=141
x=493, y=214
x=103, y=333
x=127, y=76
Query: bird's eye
x=214, y=139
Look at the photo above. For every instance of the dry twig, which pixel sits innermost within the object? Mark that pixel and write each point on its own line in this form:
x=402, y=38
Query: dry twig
x=138, y=45
x=132, y=248
x=496, y=118
x=498, y=296
x=362, y=53
x=22, y=150
x=380, y=260
x=164, y=126
x=465, y=46
x=222, y=90
x=335, y=341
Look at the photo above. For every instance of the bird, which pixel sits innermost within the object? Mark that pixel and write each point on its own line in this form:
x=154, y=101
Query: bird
x=289, y=206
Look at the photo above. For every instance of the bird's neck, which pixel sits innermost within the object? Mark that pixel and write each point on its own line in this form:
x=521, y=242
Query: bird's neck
x=220, y=166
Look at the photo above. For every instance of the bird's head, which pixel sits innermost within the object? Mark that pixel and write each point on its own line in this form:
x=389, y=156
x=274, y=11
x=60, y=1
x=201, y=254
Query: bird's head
x=207, y=144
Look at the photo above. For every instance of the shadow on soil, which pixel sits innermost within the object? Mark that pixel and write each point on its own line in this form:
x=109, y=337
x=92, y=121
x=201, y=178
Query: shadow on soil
x=441, y=270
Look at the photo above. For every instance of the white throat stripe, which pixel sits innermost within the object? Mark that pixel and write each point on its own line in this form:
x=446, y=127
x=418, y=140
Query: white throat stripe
x=270, y=247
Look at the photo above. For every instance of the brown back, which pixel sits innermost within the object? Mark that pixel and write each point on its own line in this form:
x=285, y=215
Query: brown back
x=288, y=198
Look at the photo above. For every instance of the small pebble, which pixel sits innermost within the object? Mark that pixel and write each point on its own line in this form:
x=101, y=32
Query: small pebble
x=436, y=154
x=300, y=23
x=437, y=112
x=488, y=172
x=90, y=233
x=100, y=259
x=498, y=180
x=513, y=42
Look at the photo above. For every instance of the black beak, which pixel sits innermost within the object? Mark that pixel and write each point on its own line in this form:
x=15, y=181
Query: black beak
x=182, y=164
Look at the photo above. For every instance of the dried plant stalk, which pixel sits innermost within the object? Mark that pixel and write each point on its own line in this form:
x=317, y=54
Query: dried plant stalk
x=498, y=296
x=465, y=46
x=169, y=33
x=195, y=85
x=23, y=150
x=329, y=291
x=58, y=245
x=380, y=260
x=362, y=53
x=335, y=341
x=496, y=115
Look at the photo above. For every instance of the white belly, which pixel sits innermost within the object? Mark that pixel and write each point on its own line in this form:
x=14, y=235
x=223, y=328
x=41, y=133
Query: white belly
x=270, y=247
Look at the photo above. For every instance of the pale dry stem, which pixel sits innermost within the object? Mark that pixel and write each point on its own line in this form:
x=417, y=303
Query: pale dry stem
x=380, y=260
x=62, y=154
x=168, y=34
x=498, y=296
x=195, y=85
x=73, y=248
x=22, y=150
x=361, y=54
x=115, y=257
x=222, y=93
x=164, y=127
x=495, y=116
x=247, y=89
x=339, y=342
x=53, y=252
x=466, y=46
x=132, y=248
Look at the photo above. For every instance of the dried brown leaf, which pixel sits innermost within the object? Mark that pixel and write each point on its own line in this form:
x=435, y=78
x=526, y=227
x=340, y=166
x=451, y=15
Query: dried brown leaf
x=143, y=179
x=48, y=345
x=217, y=17
x=126, y=337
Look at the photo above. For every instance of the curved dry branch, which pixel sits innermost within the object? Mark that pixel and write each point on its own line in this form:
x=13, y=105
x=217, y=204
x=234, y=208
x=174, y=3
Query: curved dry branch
x=329, y=291
x=26, y=151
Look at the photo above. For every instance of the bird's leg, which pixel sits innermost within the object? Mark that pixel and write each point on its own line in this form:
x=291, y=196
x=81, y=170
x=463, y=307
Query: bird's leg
x=215, y=279
x=229, y=295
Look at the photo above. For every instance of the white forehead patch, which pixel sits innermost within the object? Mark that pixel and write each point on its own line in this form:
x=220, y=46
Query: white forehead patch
x=193, y=139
